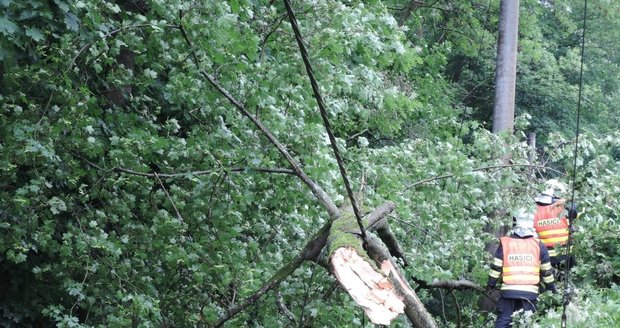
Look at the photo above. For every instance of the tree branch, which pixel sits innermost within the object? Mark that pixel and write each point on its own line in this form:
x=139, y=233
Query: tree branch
x=206, y=172
x=503, y=166
x=318, y=192
x=334, y=287
x=109, y=34
x=305, y=303
x=310, y=251
x=407, y=10
x=380, y=224
x=413, y=225
x=412, y=7
x=373, y=218
x=443, y=307
x=184, y=174
x=179, y=217
x=273, y=27
x=357, y=134
x=458, y=307
x=460, y=284
x=280, y=302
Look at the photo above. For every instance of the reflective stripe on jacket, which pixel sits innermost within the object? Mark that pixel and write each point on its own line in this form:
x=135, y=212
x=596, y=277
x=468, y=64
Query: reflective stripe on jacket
x=551, y=226
x=521, y=267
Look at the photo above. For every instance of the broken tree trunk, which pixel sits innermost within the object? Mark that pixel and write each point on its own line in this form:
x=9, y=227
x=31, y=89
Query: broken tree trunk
x=391, y=292
x=414, y=309
x=370, y=276
x=312, y=249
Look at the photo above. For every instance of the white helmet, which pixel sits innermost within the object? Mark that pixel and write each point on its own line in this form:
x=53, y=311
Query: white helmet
x=553, y=191
x=523, y=223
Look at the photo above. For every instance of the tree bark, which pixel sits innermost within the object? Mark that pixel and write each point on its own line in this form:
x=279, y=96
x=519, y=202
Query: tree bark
x=371, y=276
x=310, y=252
x=406, y=13
x=506, y=66
x=117, y=95
x=414, y=309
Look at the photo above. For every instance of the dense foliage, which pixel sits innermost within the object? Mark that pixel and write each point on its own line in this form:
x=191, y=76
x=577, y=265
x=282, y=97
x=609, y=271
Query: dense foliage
x=134, y=194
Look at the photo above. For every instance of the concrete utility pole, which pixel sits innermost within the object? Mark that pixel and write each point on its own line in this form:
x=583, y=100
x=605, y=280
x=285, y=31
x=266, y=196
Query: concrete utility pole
x=506, y=66
x=505, y=81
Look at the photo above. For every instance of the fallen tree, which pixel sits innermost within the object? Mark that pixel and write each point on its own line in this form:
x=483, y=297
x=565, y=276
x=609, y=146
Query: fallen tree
x=379, y=275
x=369, y=275
x=362, y=262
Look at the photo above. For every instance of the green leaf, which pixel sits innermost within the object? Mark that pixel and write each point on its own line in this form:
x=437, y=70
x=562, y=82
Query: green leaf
x=7, y=27
x=62, y=5
x=72, y=22
x=234, y=6
x=35, y=34
x=57, y=205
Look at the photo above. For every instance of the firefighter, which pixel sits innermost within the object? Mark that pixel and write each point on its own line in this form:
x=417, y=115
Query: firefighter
x=551, y=223
x=521, y=262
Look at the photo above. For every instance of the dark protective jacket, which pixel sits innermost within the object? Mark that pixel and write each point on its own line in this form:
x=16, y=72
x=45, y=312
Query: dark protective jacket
x=521, y=262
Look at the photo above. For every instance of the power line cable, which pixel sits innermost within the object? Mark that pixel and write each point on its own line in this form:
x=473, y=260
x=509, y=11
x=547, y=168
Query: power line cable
x=321, y=104
x=572, y=203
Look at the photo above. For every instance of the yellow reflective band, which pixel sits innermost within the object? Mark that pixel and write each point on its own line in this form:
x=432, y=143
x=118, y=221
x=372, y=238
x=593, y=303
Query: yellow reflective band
x=552, y=232
x=498, y=262
x=521, y=269
x=523, y=278
x=525, y=288
x=555, y=240
x=548, y=279
x=545, y=266
x=494, y=274
x=561, y=251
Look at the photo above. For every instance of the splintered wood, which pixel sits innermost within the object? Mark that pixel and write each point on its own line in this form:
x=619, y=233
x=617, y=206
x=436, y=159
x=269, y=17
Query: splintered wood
x=370, y=289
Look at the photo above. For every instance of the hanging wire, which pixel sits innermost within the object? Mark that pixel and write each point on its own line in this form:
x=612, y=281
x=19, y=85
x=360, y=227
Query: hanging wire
x=321, y=104
x=572, y=203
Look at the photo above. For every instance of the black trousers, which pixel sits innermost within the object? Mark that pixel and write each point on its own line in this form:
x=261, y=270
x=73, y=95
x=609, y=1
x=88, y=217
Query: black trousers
x=507, y=306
